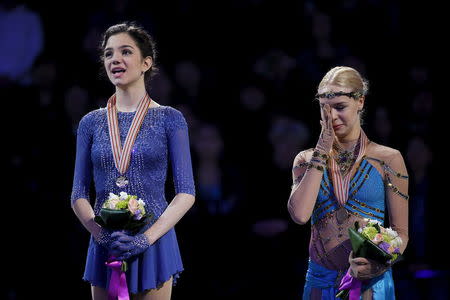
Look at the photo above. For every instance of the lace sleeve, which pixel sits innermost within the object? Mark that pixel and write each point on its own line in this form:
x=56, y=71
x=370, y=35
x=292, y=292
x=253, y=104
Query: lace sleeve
x=179, y=151
x=83, y=164
x=397, y=195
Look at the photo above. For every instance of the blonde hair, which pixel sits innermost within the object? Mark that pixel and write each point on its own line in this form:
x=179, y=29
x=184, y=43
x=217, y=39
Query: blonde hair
x=345, y=77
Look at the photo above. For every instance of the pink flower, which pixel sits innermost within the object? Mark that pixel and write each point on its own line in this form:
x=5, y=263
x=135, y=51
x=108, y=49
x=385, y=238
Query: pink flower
x=133, y=205
x=378, y=238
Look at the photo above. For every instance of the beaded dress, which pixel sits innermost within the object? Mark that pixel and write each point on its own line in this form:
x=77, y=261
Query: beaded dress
x=330, y=246
x=163, y=137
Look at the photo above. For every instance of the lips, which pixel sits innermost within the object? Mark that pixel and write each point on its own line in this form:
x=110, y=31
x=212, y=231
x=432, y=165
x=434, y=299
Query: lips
x=117, y=71
x=337, y=126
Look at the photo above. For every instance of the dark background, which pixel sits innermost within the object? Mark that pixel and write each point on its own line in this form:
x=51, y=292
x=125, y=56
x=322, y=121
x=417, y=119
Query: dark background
x=244, y=74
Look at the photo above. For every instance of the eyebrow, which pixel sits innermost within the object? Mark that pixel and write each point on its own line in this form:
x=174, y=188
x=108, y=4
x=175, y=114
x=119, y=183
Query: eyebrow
x=121, y=47
x=334, y=104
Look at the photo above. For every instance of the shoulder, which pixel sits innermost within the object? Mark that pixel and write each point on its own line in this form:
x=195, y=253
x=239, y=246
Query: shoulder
x=93, y=115
x=390, y=157
x=383, y=153
x=173, y=118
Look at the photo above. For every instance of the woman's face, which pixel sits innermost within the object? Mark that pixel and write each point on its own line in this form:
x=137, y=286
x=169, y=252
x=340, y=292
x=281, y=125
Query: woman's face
x=123, y=60
x=344, y=110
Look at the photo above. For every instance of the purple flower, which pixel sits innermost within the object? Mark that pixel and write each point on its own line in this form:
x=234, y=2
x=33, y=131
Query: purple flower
x=397, y=250
x=385, y=246
x=137, y=215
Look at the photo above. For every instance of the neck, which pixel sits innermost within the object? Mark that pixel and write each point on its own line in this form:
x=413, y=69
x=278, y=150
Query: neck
x=348, y=141
x=127, y=100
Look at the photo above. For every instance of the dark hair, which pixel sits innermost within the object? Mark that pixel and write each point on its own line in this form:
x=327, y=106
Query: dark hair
x=142, y=39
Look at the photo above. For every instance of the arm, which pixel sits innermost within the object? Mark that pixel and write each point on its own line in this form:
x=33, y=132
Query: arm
x=397, y=196
x=306, y=185
x=180, y=204
x=83, y=210
x=82, y=178
x=397, y=201
x=180, y=158
x=306, y=179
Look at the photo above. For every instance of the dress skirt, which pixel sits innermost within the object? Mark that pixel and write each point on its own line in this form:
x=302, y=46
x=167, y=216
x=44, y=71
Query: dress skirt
x=319, y=277
x=147, y=270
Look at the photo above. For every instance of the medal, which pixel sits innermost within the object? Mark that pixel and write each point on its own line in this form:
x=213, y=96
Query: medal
x=341, y=215
x=122, y=156
x=341, y=183
x=121, y=181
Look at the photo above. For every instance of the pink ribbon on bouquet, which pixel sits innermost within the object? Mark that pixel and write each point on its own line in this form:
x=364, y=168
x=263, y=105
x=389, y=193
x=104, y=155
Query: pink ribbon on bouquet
x=118, y=288
x=352, y=284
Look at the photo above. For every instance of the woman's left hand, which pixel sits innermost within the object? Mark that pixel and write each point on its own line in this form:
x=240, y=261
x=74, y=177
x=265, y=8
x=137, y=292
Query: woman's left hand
x=364, y=269
x=126, y=246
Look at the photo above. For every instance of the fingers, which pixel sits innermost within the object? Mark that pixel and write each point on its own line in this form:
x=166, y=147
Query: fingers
x=359, y=261
x=122, y=237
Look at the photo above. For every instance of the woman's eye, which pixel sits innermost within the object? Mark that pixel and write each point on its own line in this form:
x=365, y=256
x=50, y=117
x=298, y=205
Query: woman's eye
x=126, y=52
x=340, y=107
x=107, y=54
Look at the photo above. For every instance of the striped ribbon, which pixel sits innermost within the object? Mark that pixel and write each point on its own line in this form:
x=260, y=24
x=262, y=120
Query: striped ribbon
x=341, y=184
x=122, y=156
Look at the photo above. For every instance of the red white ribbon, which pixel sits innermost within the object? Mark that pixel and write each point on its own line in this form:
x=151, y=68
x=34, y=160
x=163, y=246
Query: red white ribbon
x=122, y=156
x=341, y=184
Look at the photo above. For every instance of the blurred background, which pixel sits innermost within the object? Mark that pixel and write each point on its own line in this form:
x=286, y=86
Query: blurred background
x=244, y=74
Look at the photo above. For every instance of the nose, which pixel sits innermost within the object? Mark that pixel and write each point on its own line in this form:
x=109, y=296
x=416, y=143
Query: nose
x=115, y=58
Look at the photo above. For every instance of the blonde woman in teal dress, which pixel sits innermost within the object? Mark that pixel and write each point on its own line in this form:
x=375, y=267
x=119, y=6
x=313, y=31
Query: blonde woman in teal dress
x=346, y=178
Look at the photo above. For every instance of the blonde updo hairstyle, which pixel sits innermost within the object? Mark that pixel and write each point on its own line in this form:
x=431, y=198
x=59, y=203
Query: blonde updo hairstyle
x=346, y=77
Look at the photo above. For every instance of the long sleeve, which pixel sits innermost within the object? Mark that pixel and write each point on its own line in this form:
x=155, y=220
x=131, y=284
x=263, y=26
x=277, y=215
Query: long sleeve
x=83, y=164
x=179, y=151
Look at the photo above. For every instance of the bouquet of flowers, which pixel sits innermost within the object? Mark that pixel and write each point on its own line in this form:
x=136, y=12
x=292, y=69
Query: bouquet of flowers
x=123, y=212
x=374, y=242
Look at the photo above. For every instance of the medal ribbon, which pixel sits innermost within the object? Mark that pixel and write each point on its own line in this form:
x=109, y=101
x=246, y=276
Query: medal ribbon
x=122, y=156
x=341, y=184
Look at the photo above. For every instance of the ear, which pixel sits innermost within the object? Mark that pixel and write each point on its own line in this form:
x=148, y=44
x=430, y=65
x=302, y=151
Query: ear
x=361, y=101
x=147, y=63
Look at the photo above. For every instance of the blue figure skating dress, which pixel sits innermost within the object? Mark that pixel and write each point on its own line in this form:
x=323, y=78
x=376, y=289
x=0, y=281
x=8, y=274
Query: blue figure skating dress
x=163, y=138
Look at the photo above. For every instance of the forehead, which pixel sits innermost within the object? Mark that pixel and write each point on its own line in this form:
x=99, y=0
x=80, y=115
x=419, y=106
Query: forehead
x=120, y=39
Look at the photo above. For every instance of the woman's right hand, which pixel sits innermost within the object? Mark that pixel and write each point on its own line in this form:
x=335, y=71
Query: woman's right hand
x=326, y=139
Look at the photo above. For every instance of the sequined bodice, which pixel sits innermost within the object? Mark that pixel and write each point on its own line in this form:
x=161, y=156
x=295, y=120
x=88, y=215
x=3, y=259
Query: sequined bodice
x=162, y=137
x=329, y=244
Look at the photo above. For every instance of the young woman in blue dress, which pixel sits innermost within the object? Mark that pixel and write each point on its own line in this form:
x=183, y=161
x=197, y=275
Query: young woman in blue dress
x=152, y=135
x=346, y=178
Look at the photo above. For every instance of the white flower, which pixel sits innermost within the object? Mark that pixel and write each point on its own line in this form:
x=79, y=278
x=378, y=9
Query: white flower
x=373, y=222
x=123, y=196
x=113, y=196
x=397, y=242
x=391, y=232
x=360, y=230
x=141, y=202
x=111, y=204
